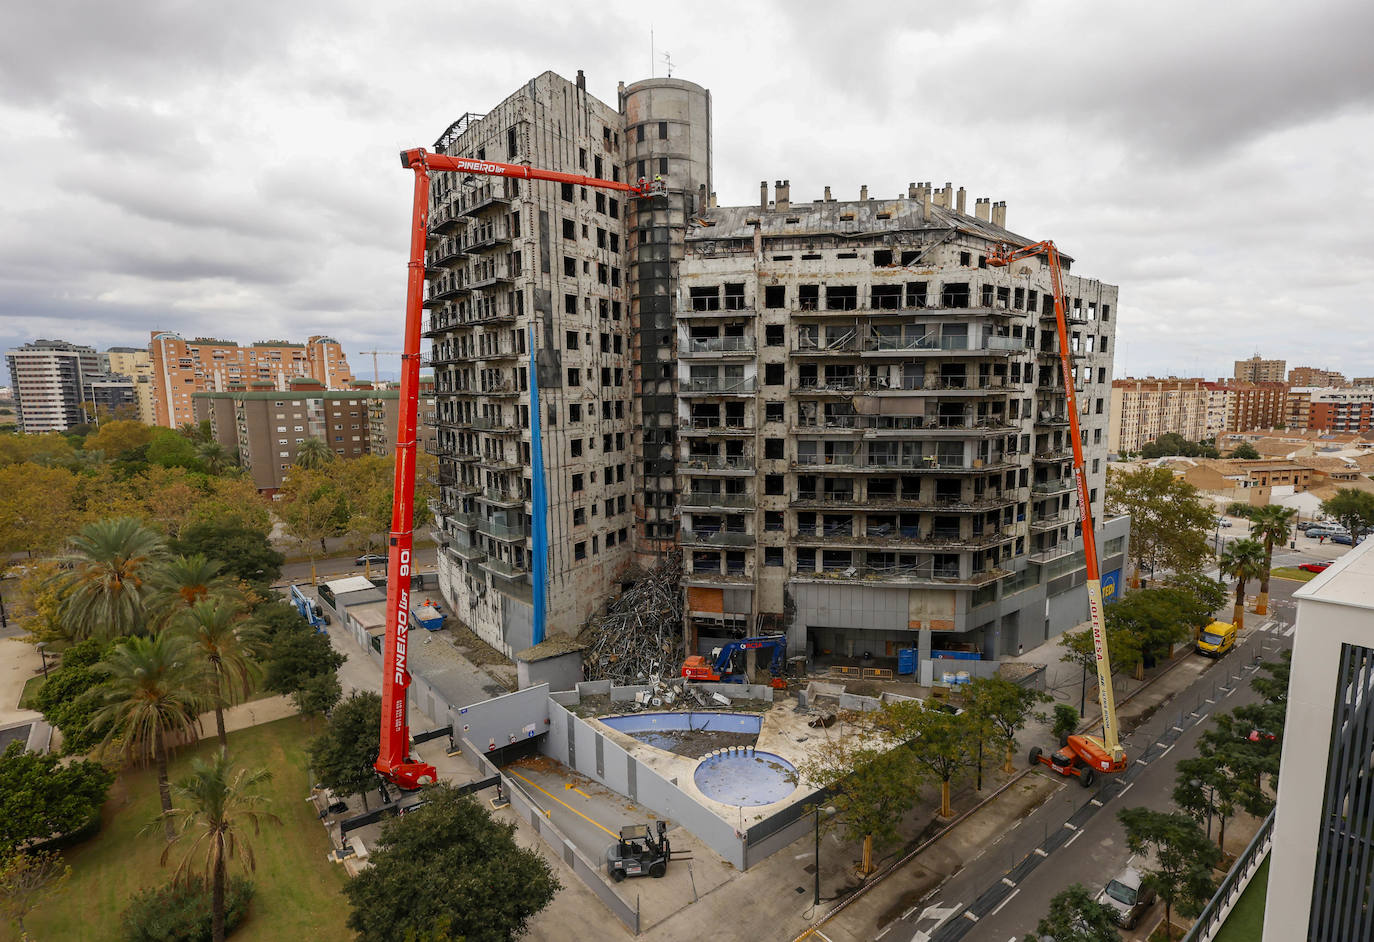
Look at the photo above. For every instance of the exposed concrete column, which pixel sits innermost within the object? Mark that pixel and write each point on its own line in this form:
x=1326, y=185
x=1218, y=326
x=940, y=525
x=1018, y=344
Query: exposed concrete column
x=927, y=669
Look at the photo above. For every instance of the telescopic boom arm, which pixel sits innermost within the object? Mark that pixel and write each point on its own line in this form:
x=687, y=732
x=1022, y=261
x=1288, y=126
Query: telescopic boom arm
x=394, y=761
x=1002, y=255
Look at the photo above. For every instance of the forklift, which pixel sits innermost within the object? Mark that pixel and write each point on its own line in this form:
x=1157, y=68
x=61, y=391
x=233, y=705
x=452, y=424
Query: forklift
x=639, y=853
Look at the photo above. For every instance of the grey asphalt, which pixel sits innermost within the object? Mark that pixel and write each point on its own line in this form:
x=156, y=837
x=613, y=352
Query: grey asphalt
x=1006, y=891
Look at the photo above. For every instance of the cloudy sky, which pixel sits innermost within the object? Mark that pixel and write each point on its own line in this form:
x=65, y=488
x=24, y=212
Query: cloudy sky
x=230, y=169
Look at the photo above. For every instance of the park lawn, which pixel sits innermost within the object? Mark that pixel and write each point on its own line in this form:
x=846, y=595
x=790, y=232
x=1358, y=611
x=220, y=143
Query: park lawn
x=1294, y=573
x=299, y=893
x=1246, y=921
x=30, y=692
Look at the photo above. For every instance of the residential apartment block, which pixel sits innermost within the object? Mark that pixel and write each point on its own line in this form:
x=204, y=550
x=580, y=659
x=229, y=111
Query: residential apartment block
x=1341, y=410
x=1254, y=405
x=181, y=368
x=266, y=426
x=1311, y=376
x=49, y=381
x=854, y=429
x=1144, y=409
x=136, y=364
x=1256, y=370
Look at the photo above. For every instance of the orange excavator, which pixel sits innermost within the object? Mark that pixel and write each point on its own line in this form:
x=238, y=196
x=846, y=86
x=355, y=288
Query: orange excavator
x=394, y=761
x=1082, y=756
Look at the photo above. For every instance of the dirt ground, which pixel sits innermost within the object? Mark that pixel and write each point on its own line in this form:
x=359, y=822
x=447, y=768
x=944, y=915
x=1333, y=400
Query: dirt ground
x=693, y=743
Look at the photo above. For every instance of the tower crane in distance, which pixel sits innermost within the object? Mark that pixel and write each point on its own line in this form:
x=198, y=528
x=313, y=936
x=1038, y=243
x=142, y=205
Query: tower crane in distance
x=394, y=762
x=1081, y=756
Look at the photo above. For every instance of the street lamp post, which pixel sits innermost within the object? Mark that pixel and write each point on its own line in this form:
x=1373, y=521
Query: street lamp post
x=828, y=812
x=43, y=653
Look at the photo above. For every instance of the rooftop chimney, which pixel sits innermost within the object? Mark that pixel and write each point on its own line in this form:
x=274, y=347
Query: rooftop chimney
x=982, y=208
x=863, y=192
x=999, y=214
x=712, y=204
x=783, y=195
x=911, y=191
x=948, y=195
x=828, y=197
x=962, y=200
x=763, y=194
x=581, y=80
x=925, y=201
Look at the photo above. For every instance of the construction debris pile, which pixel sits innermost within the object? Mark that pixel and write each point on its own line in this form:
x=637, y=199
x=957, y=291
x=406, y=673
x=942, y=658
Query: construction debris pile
x=639, y=638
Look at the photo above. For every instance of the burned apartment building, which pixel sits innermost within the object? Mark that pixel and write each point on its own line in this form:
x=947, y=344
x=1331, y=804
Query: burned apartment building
x=850, y=427
x=510, y=261
x=874, y=446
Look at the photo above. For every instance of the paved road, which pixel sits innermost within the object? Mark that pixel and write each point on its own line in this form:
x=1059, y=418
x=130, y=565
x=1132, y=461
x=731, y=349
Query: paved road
x=337, y=567
x=1003, y=893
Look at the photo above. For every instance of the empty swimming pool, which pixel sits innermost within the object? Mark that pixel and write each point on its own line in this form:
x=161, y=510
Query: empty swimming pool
x=689, y=734
x=742, y=776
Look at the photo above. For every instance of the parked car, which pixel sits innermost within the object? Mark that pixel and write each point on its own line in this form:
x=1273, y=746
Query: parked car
x=1315, y=567
x=1223, y=522
x=371, y=559
x=1127, y=897
x=1345, y=539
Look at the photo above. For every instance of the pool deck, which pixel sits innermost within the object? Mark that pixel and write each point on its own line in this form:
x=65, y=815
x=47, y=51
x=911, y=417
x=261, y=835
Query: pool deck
x=784, y=733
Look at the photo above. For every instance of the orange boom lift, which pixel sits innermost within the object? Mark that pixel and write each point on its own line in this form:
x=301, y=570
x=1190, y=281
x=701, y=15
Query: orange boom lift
x=1083, y=756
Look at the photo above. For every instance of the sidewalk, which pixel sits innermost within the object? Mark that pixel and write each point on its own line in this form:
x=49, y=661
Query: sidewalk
x=244, y=715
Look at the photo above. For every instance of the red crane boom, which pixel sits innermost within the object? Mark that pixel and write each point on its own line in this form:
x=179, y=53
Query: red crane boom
x=394, y=761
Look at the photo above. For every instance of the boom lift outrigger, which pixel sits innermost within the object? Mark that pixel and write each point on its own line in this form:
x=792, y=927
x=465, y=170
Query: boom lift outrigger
x=394, y=762
x=1082, y=756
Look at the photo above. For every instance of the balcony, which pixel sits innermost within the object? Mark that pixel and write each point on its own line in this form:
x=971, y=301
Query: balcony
x=1046, y=488
x=445, y=256
x=461, y=518
x=479, y=241
x=733, y=577
x=846, y=500
x=740, y=386
x=886, y=535
x=920, y=575
x=898, y=425
x=715, y=537
x=1051, y=419
x=715, y=346
x=742, y=464
x=930, y=343
x=486, y=423
x=483, y=199
x=499, y=567
x=1050, y=555
x=713, y=425
x=907, y=464
x=1053, y=521
x=1052, y=457
x=708, y=499
x=500, y=498
x=502, y=531
x=505, y=388
x=445, y=220
x=490, y=279
x=473, y=554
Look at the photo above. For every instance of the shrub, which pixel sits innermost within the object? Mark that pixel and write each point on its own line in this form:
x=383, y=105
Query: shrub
x=1065, y=720
x=180, y=911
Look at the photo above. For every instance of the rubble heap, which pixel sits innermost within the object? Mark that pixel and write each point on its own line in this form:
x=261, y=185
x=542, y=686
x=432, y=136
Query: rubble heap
x=639, y=638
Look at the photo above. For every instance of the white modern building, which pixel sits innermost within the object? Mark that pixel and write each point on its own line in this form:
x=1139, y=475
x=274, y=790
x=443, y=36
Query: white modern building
x=1321, y=879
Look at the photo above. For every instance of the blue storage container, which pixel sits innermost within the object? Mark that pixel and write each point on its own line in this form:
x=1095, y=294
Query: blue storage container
x=906, y=660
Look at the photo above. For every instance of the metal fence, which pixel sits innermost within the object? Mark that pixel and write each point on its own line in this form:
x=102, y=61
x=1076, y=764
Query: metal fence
x=1237, y=879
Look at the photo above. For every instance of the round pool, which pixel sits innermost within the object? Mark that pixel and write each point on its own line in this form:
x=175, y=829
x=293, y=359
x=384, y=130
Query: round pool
x=745, y=777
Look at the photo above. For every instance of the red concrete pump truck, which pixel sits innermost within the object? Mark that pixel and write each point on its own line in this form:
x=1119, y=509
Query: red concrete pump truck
x=1081, y=756
x=394, y=761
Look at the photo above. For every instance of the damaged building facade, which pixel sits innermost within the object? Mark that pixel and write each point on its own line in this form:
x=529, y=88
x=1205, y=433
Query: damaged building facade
x=854, y=429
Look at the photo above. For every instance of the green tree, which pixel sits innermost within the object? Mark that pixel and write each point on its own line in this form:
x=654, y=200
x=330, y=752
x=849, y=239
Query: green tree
x=312, y=509
x=38, y=508
x=1076, y=916
x=1271, y=524
x=475, y=876
x=1353, y=509
x=313, y=454
x=215, y=808
x=64, y=698
x=152, y=697
x=43, y=797
x=1242, y=560
x=1006, y=707
x=938, y=741
x=1273, y=687
x=1123, y=646
x=317, y=695
x=172, y=450
x=295, y=652
x=115, y=438
x=1172, y=444
x=1153, y=618
x=215, y=458
x=1169, y=520
x=24, y=880
x=871, y=787
x=1206, y=789
x=367, y=486
x=243, y=552
x=1245, y=450
x=229, y=644
x=105, y=585
x=1206, y=594
x=1182, y=875
x=1065, y=721
x=342, y=756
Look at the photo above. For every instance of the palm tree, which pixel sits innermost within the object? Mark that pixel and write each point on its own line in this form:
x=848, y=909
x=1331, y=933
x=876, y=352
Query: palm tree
x=152, y=692
x=215, y=806
x=228, y=644
x=1242, y=560
x=104, y=585
x=1271, y=524
x=216, y=458
x=313, y=453
x=182, y=581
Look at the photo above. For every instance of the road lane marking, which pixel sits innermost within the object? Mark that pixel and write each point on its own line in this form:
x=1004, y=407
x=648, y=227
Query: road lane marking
x=883, y=933
x=565, y=804
x=1076, y=836
x=1201, y=718
x=998, y=908
x=1167, y=751
x=1289, y=632
x=1129, y=786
